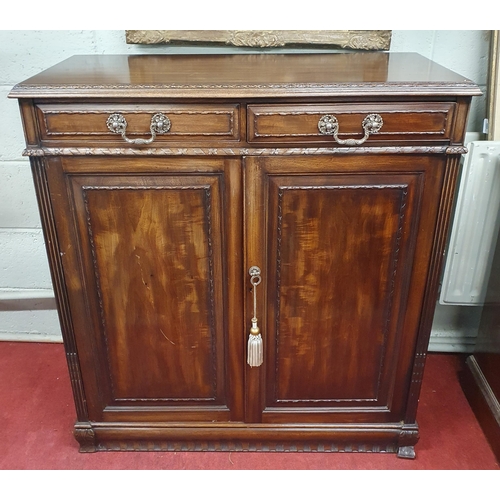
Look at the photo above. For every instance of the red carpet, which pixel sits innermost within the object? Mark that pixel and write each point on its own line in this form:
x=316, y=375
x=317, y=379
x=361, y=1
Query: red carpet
x=37, y=415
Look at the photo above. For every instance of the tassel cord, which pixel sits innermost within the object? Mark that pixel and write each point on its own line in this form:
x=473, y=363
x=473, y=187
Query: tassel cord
x=255, y=356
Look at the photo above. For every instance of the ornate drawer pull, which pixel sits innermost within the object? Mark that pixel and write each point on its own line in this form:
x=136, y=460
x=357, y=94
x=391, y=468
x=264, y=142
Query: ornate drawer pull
x=329, y=125
x=255, y=355
x=160, y=124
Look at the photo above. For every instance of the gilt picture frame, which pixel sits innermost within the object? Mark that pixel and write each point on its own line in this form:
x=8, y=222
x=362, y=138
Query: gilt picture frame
x=345, y=39
x=494, y=88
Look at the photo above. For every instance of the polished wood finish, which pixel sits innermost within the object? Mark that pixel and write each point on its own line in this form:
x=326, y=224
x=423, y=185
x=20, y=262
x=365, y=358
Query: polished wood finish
x=149, y=245
x=87, y=122
x=338, y=258
x=246, y=76
x=402, y=122
x=150, y=270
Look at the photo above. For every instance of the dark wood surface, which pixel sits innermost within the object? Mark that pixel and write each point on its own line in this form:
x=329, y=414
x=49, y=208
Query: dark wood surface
x=402, y=122
x=339, y=249
x=87, y=122
x=374, y=73
x=149, y=245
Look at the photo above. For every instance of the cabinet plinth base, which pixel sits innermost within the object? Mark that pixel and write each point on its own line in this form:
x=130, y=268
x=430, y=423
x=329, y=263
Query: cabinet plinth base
x=255, y=437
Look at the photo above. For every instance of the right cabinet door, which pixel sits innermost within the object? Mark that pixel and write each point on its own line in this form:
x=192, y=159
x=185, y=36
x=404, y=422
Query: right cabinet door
x=344, y=244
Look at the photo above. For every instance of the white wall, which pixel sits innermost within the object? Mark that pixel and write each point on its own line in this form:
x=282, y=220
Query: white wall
x=25, y=311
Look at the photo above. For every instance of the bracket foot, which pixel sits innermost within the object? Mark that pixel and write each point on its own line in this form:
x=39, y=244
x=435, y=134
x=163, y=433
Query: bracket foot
x=406, y=452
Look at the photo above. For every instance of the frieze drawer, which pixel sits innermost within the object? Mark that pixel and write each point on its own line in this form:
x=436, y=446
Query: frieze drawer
x=126, y=124
x=315, y=123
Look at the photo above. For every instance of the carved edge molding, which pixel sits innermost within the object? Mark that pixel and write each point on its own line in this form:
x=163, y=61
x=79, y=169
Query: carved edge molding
x=346, y=39
x=449, y=150
x=26, y=90
x=279, y=446
x=341, y=87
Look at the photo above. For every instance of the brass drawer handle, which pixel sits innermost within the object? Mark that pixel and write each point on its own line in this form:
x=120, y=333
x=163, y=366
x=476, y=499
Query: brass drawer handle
x=255, y=355
x=329, y=125
x=160, y=124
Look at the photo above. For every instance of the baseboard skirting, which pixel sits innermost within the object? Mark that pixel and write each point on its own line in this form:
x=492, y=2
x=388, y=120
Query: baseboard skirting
x=30, y=337
x=452, y=344
x=483, y=402
x=484, y=386
x=24, y=299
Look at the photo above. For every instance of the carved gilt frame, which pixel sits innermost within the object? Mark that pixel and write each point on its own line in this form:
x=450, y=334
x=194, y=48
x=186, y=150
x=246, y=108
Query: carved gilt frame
x=346, y=39
x=494, y=88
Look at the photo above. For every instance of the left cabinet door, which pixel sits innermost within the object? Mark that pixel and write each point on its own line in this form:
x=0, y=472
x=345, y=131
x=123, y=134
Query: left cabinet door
x=150, y=250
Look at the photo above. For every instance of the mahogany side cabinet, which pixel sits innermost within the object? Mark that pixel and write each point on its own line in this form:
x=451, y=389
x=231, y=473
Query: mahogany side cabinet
x=245, y=249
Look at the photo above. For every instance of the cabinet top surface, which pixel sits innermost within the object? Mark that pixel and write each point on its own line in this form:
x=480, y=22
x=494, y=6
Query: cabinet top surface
x=245, y=76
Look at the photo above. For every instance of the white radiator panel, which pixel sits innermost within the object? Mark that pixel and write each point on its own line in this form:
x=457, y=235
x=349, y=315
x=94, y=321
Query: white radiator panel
x=475, y=227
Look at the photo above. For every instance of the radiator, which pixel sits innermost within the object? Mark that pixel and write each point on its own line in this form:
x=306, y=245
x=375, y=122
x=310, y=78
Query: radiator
x=475, y=227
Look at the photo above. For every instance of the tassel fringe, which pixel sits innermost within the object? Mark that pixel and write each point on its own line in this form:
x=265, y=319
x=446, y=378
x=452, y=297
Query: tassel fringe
x=255, y=350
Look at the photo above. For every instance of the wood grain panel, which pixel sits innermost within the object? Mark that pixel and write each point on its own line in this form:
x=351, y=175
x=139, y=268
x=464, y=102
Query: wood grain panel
x=337, y=258
x=154, y=244
x=299, y=123
x=337, y=264
x=63, y=122
x=161, y=309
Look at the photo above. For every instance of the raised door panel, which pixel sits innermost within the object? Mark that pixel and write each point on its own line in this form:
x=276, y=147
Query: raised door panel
x=153, y=280
x=337, y=259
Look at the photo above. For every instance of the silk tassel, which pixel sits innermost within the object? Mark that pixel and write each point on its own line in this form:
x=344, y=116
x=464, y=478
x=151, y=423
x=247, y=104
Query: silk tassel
x=255, y=346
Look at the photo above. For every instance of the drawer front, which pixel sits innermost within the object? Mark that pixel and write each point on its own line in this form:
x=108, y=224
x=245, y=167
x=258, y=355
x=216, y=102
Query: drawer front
x=197, y=122
x=401, y=122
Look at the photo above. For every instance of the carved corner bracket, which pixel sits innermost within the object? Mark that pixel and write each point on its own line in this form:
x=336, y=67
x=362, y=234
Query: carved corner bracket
x=85, y=435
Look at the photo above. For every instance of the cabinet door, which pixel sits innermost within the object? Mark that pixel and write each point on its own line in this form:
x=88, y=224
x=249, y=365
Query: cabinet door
x=343, y=244
x=151, y=262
